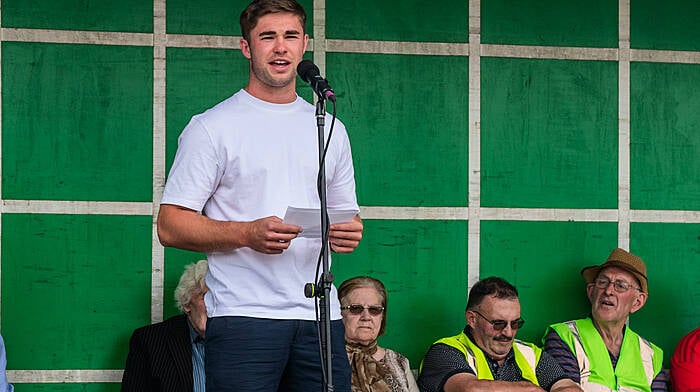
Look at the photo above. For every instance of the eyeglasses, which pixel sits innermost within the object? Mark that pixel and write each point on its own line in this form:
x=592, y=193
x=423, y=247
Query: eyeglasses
x=374, y=310
x=500, y=325
x=619, y=285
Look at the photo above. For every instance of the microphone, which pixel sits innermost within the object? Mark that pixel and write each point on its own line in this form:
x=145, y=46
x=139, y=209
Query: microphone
x=309, y=72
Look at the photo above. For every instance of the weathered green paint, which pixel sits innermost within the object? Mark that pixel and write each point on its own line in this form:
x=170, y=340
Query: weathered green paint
x=665, y=150
x=665, y=25
x=548, y=133
x=407, y=20
x=73, y=288
x=405, y=124
x=126, y=15
x=77, y=122
x=550, y=23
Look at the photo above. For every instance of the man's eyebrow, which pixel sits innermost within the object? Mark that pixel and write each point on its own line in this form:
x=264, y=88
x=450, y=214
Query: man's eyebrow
x=272, y=32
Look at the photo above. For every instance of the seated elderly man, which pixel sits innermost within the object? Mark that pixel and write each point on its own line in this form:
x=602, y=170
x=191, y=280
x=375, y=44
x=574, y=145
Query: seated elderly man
x=601, y=352
x=169, y=356
x=486, y=356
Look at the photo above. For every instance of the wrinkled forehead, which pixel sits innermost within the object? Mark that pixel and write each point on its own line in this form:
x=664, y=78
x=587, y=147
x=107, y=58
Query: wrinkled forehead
x=617, y=273
x=500, y=308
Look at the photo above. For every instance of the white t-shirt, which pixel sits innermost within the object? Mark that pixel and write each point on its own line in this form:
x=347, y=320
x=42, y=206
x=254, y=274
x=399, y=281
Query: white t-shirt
x=246, y=159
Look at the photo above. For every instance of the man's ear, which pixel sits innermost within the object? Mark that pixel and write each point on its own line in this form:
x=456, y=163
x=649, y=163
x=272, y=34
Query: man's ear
x=470, y=318
x=590, y=288
x=639, y=301
x=245, y=48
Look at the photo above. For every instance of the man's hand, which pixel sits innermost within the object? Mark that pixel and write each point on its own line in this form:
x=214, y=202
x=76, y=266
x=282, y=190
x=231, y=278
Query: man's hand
x=344, y=237
x=269, y=235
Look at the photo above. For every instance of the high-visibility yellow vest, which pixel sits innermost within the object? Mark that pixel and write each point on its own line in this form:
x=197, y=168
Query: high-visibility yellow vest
x=639, y=361
x=527, y=356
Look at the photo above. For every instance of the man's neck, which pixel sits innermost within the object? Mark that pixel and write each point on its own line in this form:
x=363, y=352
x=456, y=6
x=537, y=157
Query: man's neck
x=612, y=334
x=278, y=95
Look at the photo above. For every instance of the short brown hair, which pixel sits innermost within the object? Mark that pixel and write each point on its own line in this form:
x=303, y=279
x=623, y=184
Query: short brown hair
x=259, y=8
x=364, y=282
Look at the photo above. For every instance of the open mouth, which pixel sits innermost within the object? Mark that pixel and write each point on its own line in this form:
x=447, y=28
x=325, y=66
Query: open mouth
x=607, y=303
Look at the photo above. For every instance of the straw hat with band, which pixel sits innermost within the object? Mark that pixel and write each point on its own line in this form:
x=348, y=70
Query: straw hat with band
x=620, y=258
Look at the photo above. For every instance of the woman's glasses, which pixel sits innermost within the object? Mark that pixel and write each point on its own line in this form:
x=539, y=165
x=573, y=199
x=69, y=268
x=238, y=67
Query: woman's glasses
x=500, y=325
x=374, y=310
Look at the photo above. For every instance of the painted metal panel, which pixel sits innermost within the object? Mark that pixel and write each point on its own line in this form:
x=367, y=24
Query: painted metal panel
x=590, y=23
x=665, y=140
x=126, y=15
x=666, y=25
x=73, y=288
x=407, y=20
x=76, y=122
x=549, y=133
x=405, y=124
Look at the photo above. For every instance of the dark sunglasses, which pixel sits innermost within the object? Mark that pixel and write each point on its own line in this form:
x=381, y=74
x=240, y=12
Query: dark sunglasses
x=374, y=310
x=500, y=325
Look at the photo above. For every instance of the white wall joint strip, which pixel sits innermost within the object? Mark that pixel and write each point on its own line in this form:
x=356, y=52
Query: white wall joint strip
x=64, y=376
x=203, y=41
x=159, y=142
x=397, y=47
x=76, y=207
x=665, y=216
x=77, y=37
x=319, y=21
x=474, y=162
x=665, y=56
x=414, y=213
x=549, y=214
x=624, y=142
x=549, y=52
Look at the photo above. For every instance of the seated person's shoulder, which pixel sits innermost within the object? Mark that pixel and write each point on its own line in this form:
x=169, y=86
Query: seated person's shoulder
x=439, y=364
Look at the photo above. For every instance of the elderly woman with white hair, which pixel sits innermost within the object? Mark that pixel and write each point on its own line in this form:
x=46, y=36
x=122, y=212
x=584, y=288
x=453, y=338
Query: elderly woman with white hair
x=169, y=356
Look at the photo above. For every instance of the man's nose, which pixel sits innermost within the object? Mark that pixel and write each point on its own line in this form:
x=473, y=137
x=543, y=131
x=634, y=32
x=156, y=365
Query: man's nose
x=280, y=46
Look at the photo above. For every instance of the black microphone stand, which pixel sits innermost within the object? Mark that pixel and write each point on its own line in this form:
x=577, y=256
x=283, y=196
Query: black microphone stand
x=322, y=289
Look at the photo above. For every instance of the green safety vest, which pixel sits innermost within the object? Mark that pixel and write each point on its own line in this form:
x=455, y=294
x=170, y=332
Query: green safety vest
x=639, y=362
x=527, y=356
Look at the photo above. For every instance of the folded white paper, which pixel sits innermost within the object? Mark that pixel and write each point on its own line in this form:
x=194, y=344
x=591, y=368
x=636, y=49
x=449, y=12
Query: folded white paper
x=310, y=219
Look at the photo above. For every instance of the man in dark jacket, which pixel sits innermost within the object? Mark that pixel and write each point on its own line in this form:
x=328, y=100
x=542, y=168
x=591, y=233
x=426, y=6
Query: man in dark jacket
x=169, y=356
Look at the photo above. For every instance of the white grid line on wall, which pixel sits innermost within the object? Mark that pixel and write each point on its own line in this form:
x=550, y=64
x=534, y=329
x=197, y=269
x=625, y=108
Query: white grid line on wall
x=474, y=159
x=159, y=124
x=623, y=127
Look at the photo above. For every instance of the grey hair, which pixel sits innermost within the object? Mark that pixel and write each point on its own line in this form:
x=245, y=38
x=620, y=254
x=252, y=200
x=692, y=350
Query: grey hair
x=191, y=283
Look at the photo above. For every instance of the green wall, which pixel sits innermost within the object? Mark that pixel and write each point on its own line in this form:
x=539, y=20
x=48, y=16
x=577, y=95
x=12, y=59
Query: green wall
x=518, y=139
